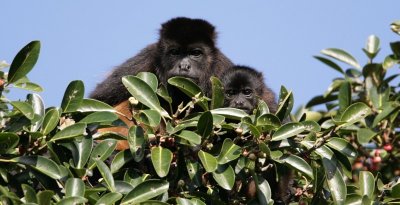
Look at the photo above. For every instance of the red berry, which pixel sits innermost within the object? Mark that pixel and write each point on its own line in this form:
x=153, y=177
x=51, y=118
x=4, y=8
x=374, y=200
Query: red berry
x=388, y=147
x=377, y=159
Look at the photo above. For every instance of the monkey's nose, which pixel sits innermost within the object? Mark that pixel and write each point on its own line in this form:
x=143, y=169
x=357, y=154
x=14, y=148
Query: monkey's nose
x=184, y=65
x=239, y=103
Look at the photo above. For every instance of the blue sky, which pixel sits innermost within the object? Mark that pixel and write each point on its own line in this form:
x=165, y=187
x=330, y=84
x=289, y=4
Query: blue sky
x=85, y=39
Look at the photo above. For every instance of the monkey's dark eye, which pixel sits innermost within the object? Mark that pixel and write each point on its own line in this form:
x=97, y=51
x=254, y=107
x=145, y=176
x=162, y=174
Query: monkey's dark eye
x=174, y=52
x=196, y=52
x=247, y=92
x=229, y=93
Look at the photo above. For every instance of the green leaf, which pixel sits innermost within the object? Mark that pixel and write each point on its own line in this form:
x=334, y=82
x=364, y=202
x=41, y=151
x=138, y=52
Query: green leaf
x=367, y=184
x=41, y=164
x=395, y=193
x=217, y=97
x=389, y=62
x=344, y=95
x=143, y=93
x=286, y=102
x=72, y=200
x=8, y=140
x=230, y=113
x=188, y=87
x=224, y=176
x=355, y=113
x=102, y=151
x=229, y=152
x=92, y=105
x=44, y=197
x=311, y=126
x=30, y=194
x=77, y=129
x=120, y=159
x=25, y=108
x=50, y=121
x=145, y=191
x=387, y=109
x=262, y=108
x=38, y=109
x=372, y=46
x=109, y=199
x=288, y=130
x=161, y=159
x=150, y=117
x=150, y=79
x=209, y=162
x=99, y=117
x=193, y=169
x=268, y=119
x=29, y=86
x=106, y=174
x=73, y=96
x=136, y=142
x=329, y=63
x=342, y=146
x=74, y=187
x=341, y=55
x=395, y=26
x=190, y=136
x=205, y=125
x=163, y=93
x=24, y=61
x=364, y=135
x=264, y=192
x=298, y=163
x=83, y=150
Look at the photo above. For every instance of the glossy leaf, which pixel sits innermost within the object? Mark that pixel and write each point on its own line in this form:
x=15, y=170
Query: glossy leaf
x=24, y=61
x=262, y=108
x=341, y=55
x=209, y=162
x=342, y=146
x=29, y=86
x=38, y=109
x=389, y=62
x=50, y=121
x=205, y=124
x=299, y=164
x=367, y=184
x=41, y=164
x=190, y=136
x=25, y=108
x=120, y=159
x=74, y=187
x=387, y=109
x=73, y=96
x=264, y=192
x=344, y=96
x=99, y=117
x=193, y=169
x=188, y=87
x=44, y=197
x=136, y=142
x=109, y=199
x=102, y=151
x=151, y=117
x=330, y=63
x=8, y=140
x=217, y=96
x=143, y=93
x=106, y=174
x=288, y=130
x=224, y=176
x=83, y=150
x=72, y=200
x=372, y=46
x=161, y=159
x=364, y=135
x=286, y=102
x=268, y=119
x=229, y=152
x=311, y=126
x=145, y=191
x=230, y=113
x=30, y=194
x=92, y=105
x=163, y=93
x=395, y=193
x=150, y=79
x=355, y=113
x=77, y=129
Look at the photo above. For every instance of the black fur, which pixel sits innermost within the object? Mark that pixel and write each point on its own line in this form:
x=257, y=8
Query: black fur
x=186, y=47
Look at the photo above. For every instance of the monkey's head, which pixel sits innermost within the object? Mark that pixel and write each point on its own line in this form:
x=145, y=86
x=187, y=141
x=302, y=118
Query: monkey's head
x=187, y=48
x=243, y=86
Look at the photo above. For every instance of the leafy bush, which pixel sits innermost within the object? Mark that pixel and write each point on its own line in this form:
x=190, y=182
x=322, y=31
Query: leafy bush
x=347, y=153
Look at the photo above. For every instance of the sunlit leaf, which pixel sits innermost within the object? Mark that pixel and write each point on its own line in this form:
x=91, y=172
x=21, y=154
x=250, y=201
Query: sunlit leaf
x=288, y=130
x=329, y=63
x=72, y=200
x=311, y=126
x=209, y=162
x=364, y=135
x=341, y=55
x=372, y=46
x=355, y=113
x=193, y=169
x=136, y=142
x=224, y=176
x=30, y=194
x=299, y=164
x=109, y=199
x=92, y=105
x=106, y=174
x=285, y=104
x=161, y=159
x=73, y=96
x=190, y=136
x=367, y=184
x=342, y=146
x=151, y=117
x=99, y=117
x=231, y=113
x=344, y=96
x=150, y=79
x=83, y=150
x=74, y=187
x=389, y=62
x=44, y=197
x=387, y=109
x=77, y=129
x=217, y=97
x=120, y=159
x=41, y=164
x=29, y=86
x=50, y=121
x=24, y=61
x=188, y=87
x=264, y=192
x=229, y=152
x=25, y=108
x=102, y=151
x=145, y=191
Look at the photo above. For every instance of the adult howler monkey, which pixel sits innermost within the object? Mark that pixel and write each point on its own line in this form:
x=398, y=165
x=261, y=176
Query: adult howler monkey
x=243, y=86
x=186, y=47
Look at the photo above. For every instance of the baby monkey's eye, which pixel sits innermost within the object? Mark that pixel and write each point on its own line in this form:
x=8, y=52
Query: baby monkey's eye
x=196, y=52
x=247, y=92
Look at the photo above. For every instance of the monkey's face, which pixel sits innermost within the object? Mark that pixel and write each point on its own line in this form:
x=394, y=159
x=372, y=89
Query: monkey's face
x=241, y=97
x=191, y=61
